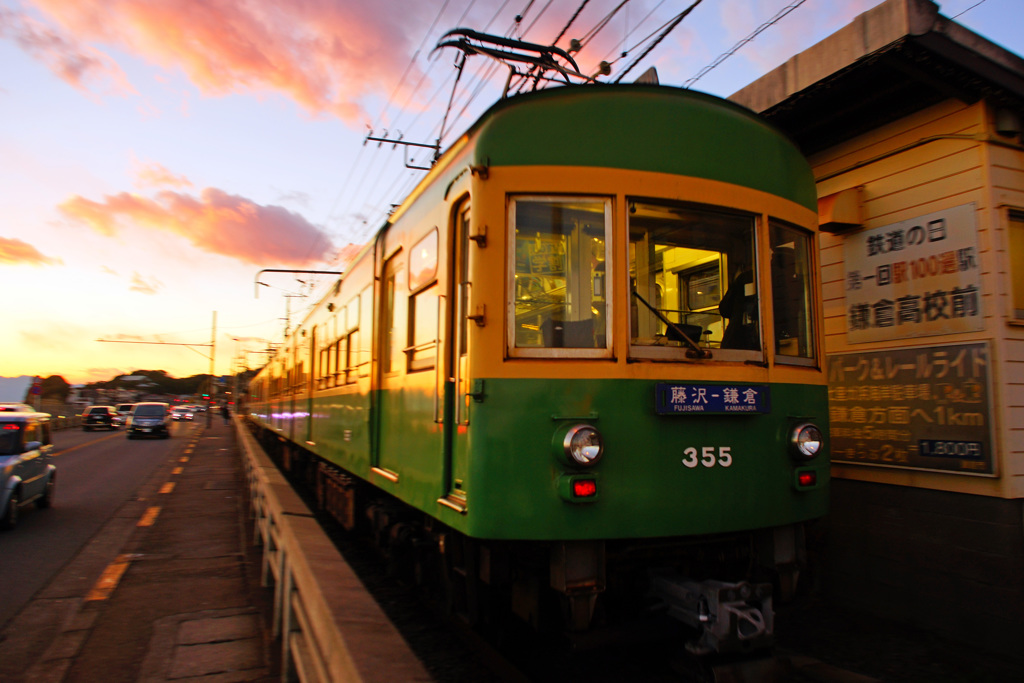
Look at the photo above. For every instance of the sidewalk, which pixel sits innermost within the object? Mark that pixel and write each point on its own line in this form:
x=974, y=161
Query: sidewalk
x=179, y=599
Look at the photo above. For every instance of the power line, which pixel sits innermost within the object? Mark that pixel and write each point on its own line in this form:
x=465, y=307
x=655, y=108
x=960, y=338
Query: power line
x=671, y=26
x=982, y=2
x=724, y=56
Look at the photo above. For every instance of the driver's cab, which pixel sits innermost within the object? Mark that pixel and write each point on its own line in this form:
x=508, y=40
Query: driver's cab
x=694, y=275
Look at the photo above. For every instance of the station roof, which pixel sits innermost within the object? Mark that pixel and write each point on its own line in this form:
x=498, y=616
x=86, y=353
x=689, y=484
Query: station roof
x=891, y=61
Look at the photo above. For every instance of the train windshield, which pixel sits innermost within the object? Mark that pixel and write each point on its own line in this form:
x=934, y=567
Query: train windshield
x=692, y=280
x=561, y=250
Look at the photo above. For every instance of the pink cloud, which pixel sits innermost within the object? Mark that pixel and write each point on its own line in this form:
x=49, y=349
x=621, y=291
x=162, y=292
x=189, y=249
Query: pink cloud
x=155, y=175
x=74, y=63
x=324, y=54
x=15, y=252
x=346, y=254
x=216, y=222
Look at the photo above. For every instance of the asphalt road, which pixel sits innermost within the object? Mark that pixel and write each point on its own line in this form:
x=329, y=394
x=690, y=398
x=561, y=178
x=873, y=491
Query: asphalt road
x=97, y=472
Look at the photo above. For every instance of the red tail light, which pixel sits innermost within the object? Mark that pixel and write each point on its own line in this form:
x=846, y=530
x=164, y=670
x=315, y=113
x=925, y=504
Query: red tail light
x=807, y=478
x=584, y=488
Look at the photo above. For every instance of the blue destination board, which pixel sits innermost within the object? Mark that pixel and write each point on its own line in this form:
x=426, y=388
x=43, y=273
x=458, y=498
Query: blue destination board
x=716, y=399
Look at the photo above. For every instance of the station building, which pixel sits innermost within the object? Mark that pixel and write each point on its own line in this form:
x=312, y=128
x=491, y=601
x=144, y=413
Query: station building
x=912, y=124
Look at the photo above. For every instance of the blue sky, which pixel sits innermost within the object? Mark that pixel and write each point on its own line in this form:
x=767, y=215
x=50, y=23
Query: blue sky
x=157, y=155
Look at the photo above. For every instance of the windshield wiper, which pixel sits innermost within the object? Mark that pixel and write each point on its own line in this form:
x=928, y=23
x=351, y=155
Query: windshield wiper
x=695, y=351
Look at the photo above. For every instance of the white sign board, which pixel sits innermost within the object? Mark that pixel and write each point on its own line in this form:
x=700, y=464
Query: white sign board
x=916, y=278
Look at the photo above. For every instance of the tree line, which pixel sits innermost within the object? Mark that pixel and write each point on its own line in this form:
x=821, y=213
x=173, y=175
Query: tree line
x=56, y=387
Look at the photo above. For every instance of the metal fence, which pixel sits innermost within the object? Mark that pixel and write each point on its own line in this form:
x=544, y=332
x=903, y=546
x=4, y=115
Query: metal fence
x=62, y=415
x=328, y=627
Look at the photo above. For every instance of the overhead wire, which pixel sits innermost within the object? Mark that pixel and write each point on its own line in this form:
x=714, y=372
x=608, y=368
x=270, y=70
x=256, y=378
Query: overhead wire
x=592, y=33
x=623, y=53
x=980, y=2
x=382, y=116
x=670, y=27
x=572, y=20
x=725, y=55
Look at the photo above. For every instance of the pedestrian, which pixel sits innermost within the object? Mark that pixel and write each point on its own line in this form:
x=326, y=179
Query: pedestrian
x=225, y=413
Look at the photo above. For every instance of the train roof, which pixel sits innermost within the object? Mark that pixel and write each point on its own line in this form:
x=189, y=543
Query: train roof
x=644, y=127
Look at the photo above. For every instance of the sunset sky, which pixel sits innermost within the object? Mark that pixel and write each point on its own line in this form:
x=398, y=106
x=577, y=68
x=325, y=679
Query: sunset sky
x=156, y=154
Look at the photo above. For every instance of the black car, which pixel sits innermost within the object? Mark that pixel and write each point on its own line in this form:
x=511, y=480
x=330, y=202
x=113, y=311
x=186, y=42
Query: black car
x=149, y=419
x=99, y=417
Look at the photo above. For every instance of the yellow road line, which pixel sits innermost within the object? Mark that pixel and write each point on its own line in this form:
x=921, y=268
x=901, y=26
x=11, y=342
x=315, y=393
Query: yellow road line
x=167, y=488
x=177, y=470
x=149, y=517
x=109, y=579
x=183, y=459
x=82, y=445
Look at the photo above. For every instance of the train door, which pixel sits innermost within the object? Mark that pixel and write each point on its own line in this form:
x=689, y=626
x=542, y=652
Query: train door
x=388, y=456
x=410, y=399
x=457, y=380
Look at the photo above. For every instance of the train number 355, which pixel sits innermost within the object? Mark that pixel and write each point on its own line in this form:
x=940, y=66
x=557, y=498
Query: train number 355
x=708, y=456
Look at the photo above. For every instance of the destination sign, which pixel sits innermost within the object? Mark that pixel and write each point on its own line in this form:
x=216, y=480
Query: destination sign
x=716, y=399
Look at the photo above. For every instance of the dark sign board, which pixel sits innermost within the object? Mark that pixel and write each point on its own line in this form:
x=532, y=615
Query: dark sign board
x=716, y=399
x=921, y=408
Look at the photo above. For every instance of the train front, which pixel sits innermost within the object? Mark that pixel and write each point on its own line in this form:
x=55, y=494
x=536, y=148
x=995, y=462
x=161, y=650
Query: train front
x=641, y=388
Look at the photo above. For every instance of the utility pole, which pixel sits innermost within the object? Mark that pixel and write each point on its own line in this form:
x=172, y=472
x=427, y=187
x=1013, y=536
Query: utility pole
x=213, y=355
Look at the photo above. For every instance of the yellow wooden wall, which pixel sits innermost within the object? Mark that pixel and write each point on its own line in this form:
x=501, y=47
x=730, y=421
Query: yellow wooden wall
x=945, y=156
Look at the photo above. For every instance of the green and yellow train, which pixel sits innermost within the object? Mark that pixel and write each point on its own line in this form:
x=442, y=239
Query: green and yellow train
x=584, y=355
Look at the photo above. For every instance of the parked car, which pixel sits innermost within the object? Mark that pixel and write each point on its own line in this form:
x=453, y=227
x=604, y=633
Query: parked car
x=26, y=473
x=123, y=411
x=149, y=419
x=99, y=417
x=179, y=413
x=16, y=408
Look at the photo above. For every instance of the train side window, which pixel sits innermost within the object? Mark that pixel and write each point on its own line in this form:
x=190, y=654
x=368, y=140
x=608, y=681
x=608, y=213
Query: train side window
x=363, y=341
x=423, y=312
x=423, y=261
x=388, y=319
x=692, y=281
x=791, y=292
x=558, y=276
x=421, y=353
x=349, y=347
x=352, y=357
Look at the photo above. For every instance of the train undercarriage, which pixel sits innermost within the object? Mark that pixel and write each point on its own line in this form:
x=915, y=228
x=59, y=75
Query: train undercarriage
x=719, y=589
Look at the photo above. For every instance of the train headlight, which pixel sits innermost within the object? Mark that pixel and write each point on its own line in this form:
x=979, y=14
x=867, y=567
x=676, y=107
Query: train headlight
x=805, y=441
x=580, y=445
